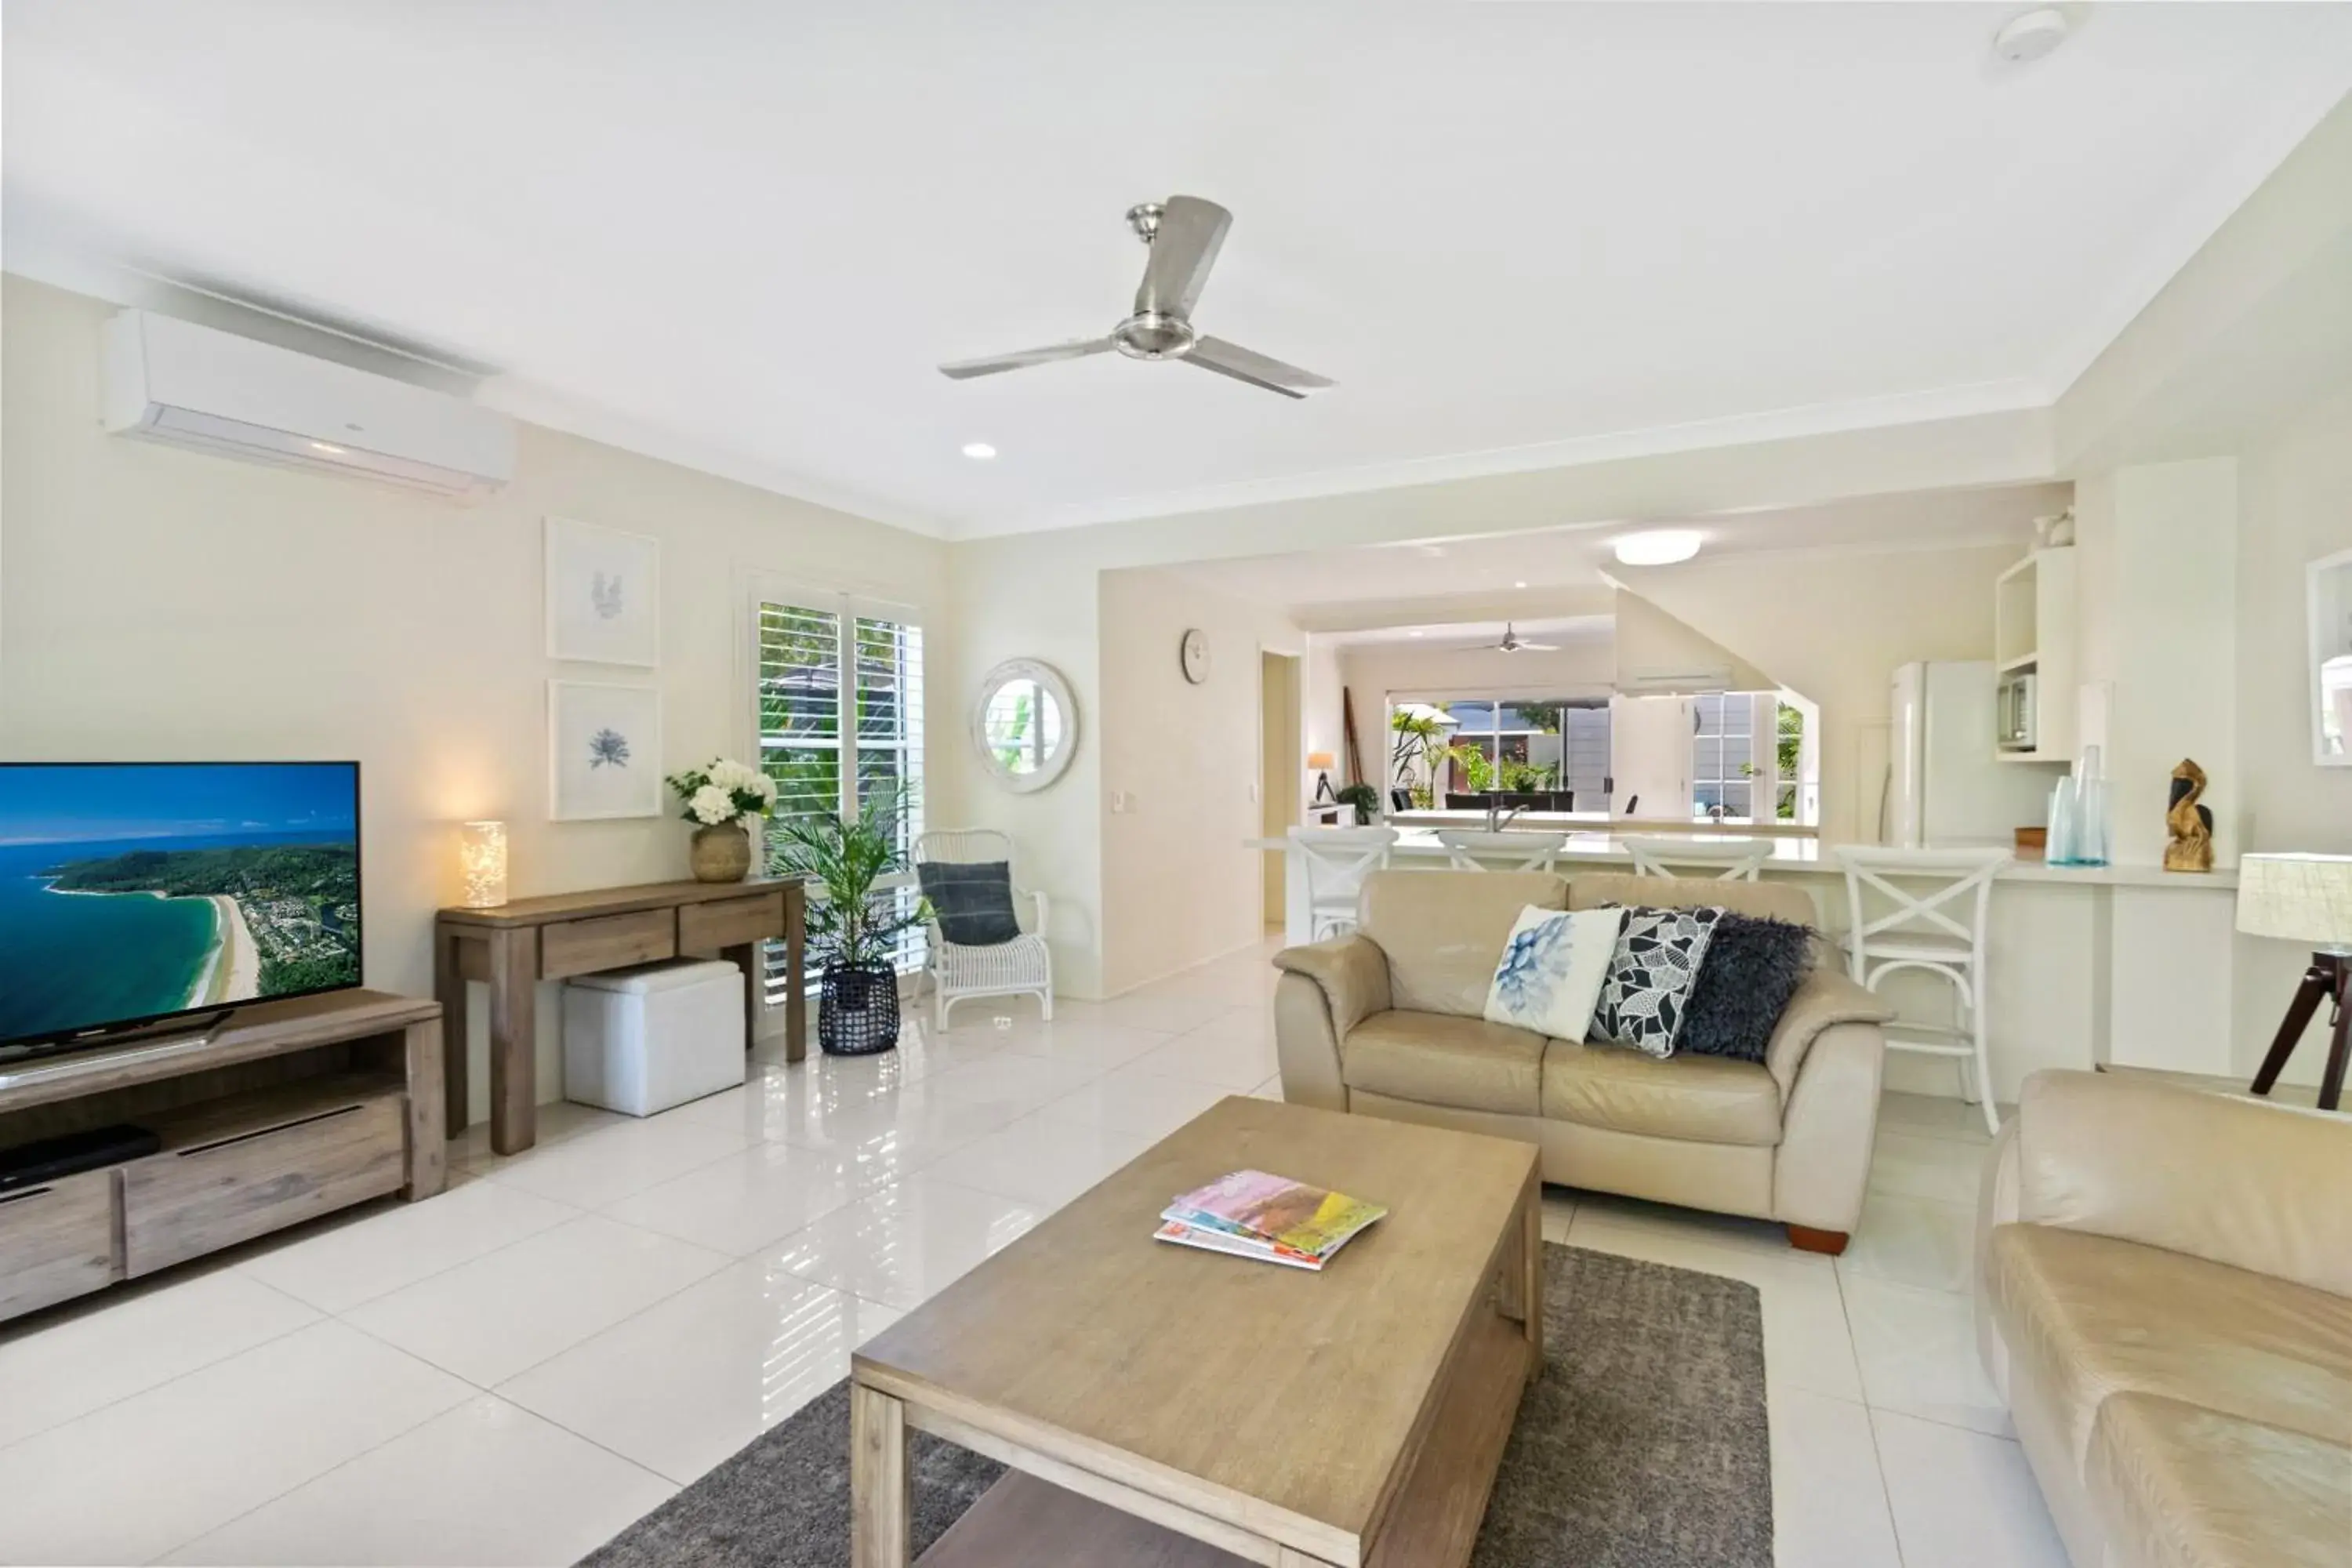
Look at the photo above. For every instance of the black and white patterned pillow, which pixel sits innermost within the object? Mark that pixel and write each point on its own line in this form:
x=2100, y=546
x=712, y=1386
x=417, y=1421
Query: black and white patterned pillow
x=1647, y=995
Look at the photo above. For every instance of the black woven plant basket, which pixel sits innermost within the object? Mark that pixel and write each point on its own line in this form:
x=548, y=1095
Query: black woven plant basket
x=857, y=1011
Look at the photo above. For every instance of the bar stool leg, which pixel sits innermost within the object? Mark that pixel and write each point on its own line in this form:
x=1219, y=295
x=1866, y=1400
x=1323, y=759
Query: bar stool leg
x=1983, y=1054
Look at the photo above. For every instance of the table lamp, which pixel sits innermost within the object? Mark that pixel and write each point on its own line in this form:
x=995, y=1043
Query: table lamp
x=1323, y=763
x=482, y=854
x=2307, y=898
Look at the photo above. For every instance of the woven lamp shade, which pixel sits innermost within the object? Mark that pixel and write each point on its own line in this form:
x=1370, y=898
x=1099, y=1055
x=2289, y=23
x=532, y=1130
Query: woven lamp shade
x=1321, y=762
x=2297, y=898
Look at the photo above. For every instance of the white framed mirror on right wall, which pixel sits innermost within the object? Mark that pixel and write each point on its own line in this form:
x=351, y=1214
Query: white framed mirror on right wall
x=2331, y=660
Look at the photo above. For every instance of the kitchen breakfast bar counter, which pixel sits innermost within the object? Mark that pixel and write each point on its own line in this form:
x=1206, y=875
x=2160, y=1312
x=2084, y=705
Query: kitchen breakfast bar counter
x=2089, y=965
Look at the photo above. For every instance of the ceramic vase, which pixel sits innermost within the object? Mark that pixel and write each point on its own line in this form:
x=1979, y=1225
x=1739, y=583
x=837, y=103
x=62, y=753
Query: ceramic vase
x=721, y=854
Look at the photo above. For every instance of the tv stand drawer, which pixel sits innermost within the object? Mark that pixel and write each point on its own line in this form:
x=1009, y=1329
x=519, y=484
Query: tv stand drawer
x=57, y=1241
x=274, y=1160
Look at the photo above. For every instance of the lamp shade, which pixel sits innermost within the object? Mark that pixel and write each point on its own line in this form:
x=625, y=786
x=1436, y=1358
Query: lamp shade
x=1321, y=762
x=482, y=854
x=2297, y=898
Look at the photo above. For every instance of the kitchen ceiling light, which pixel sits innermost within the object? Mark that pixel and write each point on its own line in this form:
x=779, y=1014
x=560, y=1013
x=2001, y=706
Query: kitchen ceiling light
x=1518, y=585
x=1662, y=548
x=980, y=449
x=2030, y=35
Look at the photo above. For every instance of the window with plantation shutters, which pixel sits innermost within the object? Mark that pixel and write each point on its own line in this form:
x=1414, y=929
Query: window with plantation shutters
x=840, y=695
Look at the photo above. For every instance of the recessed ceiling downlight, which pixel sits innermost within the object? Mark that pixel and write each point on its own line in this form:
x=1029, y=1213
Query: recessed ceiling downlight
x=2029, y=35
x=981, y=450
x=1663, y=547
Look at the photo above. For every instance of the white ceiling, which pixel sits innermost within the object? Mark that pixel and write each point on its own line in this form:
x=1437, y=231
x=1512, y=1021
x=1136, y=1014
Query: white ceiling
x=1513, y=234
x=1405, y=584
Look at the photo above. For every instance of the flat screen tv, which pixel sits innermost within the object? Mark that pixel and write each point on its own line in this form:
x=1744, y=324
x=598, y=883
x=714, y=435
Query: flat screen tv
x=135, y=893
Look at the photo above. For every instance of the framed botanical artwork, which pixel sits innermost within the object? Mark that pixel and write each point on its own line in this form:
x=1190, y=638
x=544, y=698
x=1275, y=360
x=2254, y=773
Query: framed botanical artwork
x=604, y=594
x=604, y=751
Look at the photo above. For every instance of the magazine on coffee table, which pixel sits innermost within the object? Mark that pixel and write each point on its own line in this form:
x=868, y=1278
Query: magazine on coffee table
x=1251, y=1214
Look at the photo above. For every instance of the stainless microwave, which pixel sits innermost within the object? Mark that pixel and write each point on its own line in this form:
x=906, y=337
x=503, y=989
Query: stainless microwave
x=2014, y=711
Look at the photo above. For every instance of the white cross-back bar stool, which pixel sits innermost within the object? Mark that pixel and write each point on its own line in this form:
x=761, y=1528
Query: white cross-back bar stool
x=1517, y=851
x=1931, y=908
x=1731, y=859
x=1336, y=861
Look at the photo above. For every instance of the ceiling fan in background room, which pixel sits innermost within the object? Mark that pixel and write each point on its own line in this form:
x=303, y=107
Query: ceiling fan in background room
x=1184, y=233
x=1512, y=643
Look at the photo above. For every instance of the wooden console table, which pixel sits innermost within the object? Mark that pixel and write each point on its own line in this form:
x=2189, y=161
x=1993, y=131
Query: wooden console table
x=286, y=1112
x=514, y=946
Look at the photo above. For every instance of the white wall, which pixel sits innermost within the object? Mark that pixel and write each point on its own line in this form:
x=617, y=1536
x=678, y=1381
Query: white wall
x=1324, y=716
x=2296, y=506
x=1835, y=627
x=157, y=604
x=2157, y=558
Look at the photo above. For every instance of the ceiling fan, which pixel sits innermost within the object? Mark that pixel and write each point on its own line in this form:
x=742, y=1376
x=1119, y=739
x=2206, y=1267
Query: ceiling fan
x=1513, y=643
x=1183, y=233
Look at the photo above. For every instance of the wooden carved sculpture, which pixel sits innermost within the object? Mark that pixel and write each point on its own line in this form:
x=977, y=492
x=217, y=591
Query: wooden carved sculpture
x=2188, y=846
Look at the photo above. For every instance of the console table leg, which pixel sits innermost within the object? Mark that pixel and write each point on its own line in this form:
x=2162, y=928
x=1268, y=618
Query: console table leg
x=428, y=1135
x=795, y=973
x=514, y=1065
x=449, y=990
x=879, y=1501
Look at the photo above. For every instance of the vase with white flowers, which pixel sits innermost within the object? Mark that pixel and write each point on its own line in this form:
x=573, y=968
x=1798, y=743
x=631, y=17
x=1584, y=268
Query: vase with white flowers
x=721, y=797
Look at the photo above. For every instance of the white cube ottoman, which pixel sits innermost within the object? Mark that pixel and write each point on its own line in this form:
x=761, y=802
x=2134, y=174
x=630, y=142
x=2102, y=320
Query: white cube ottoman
x=641, y=1040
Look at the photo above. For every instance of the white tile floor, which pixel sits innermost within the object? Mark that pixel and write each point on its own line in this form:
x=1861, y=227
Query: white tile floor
x=512, y=1371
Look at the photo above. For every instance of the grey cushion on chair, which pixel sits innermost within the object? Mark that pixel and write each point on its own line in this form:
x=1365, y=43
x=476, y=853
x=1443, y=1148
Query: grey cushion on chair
x=973, y=901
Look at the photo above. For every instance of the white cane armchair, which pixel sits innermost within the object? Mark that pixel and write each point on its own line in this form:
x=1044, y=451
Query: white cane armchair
x=1022, y=967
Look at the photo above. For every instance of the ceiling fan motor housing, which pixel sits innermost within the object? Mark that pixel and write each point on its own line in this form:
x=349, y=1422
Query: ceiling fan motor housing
x=1152, y=334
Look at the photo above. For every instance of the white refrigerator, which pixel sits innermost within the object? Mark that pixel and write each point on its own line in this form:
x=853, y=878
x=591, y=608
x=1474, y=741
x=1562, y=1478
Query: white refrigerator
x=1945, y=786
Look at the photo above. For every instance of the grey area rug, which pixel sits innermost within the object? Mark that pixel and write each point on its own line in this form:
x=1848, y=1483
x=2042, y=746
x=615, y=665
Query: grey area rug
x=1642, y=1446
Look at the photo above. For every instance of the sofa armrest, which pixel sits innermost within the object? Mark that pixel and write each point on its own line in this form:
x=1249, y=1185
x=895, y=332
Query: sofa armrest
x=1829, y=1125
x=1325, y=990
x=2231, y=1180
x=1351, y=971
x=1827, y=999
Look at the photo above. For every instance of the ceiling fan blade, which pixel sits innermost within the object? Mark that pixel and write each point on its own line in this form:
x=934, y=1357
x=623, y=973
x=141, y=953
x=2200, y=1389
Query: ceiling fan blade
x=1535, y=647
x=1257, y=369
x=1183, y=248
x=964, y=370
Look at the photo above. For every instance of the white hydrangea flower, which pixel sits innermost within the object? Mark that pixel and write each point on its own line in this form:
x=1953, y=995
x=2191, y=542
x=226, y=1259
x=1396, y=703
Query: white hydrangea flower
x=767, y=788
x=712, y=805
x=731, y=775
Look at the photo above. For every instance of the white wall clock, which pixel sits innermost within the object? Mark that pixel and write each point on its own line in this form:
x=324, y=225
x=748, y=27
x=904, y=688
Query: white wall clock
x=1193, y=650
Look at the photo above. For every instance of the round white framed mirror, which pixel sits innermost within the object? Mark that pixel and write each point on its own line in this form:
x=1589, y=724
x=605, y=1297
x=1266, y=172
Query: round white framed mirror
x=1024, y=723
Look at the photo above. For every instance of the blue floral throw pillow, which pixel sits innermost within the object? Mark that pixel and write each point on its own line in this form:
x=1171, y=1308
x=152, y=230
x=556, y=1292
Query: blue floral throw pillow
x=1646, y=997
x=1551, y=970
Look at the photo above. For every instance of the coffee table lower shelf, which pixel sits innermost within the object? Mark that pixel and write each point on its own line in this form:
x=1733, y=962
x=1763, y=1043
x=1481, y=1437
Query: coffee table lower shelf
x=1026, y=1522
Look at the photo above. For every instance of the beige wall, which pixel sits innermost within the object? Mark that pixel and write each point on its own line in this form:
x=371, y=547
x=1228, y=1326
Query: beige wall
x=2296, y=500
x=1022, y=597
x=1834, y=627
x=159, y=602
x=1178, y=887
x=1582, y=668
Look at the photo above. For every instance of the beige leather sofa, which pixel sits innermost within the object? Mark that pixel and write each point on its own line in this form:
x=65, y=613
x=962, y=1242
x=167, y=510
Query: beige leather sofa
x=2164, y=1296
x=1387, y=1022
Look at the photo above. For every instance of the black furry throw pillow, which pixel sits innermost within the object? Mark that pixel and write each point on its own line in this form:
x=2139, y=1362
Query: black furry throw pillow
x=1753, y=966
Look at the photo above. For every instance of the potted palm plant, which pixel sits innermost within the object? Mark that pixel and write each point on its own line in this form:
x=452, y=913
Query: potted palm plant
x=851, y=932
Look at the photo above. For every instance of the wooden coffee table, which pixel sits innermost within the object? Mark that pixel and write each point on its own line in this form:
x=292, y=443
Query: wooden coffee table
x=1159, y=1404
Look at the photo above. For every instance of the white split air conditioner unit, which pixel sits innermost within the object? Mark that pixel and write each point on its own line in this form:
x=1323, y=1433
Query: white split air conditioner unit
x=172, y=381
x=1672, y=683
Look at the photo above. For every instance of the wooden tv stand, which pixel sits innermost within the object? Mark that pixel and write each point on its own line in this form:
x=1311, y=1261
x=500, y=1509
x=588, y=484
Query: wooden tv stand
x=287, y=1111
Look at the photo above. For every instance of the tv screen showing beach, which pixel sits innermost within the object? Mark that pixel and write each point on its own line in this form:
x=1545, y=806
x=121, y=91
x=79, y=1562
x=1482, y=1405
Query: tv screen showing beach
x=131, y=891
